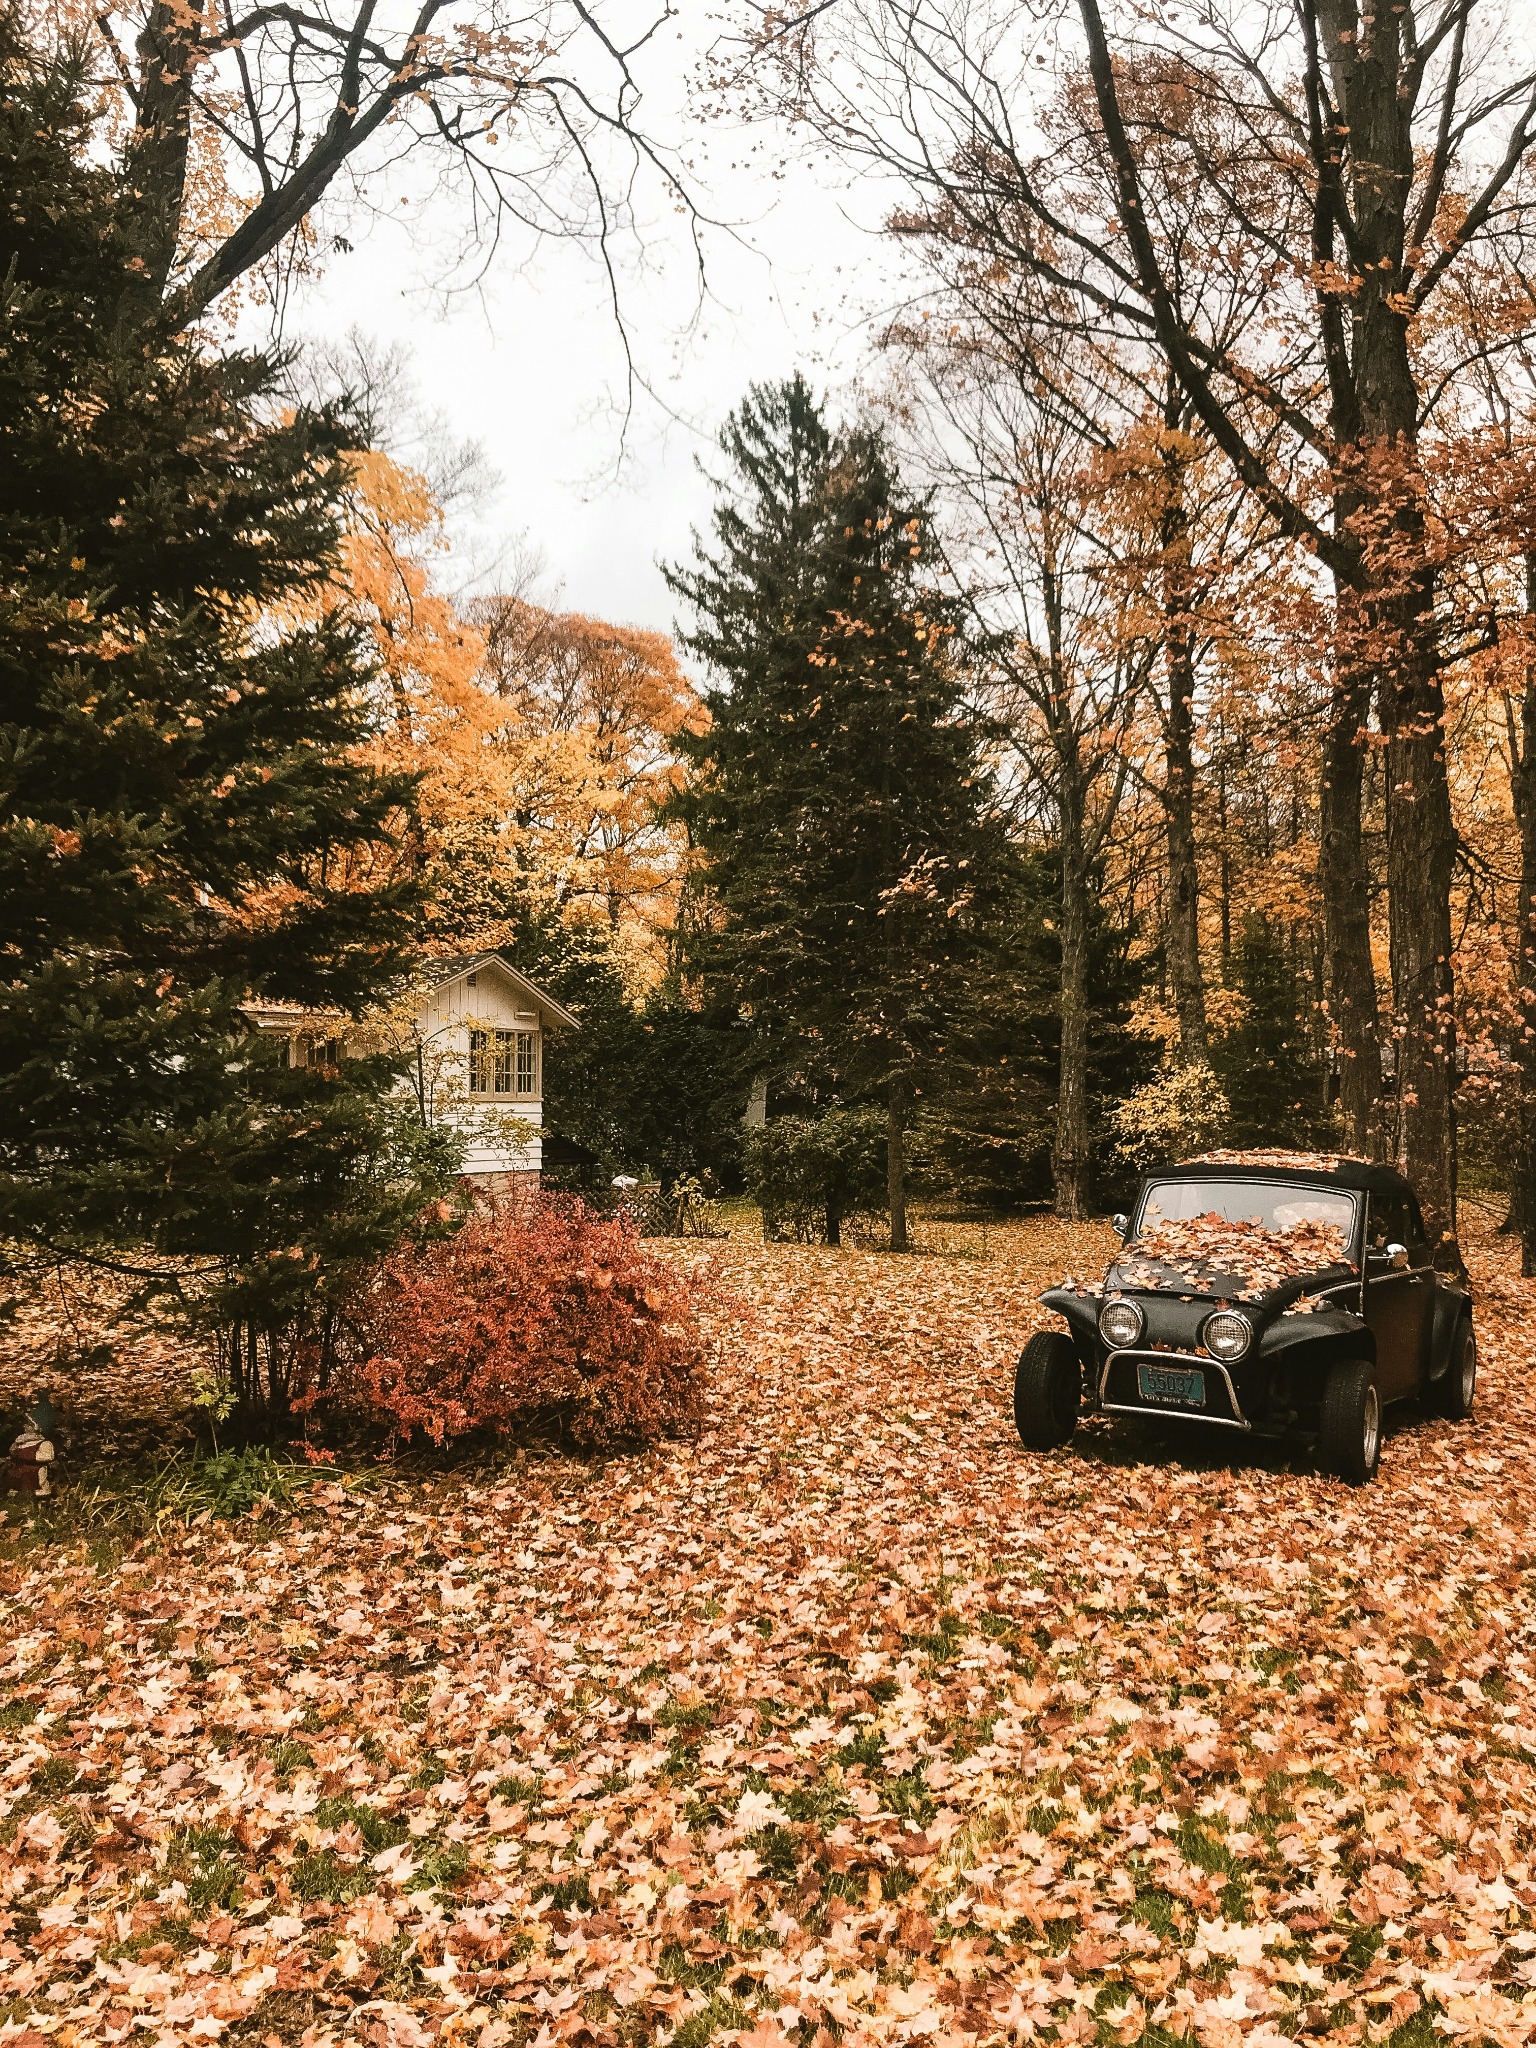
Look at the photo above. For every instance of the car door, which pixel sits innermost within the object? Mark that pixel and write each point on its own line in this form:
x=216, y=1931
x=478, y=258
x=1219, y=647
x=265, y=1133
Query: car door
x=1399, y=1293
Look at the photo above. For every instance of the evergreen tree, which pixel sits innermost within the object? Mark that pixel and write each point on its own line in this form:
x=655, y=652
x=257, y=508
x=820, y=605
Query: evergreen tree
x=1270, y=1071
x=988, y=1131
x=182, y=824
x=837, y=798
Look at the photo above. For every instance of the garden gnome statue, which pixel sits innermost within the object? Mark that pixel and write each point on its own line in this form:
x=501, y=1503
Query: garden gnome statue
x=32, y=1453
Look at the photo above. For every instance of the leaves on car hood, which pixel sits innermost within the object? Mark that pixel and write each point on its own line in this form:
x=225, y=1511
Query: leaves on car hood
x=1192, y=1255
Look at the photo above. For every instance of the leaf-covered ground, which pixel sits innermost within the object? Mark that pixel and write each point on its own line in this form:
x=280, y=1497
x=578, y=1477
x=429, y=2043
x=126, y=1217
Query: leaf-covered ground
x=850, y=1722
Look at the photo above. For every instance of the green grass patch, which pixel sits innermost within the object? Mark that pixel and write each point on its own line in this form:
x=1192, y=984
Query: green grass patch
x=572, y=1891
x=517, y=1791
x=1204, y=1850
x=377, y=1832
x=779, y=1851
x=207, y=1861
x=445, y=1866
x=909, y=1796
x=675, y=1715
x=322, y=1875
x=1157, y=1909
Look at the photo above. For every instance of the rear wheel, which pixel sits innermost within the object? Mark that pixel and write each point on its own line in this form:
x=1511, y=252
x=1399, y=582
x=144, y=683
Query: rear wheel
x=1456, y=1389
x=1047, y=1385
x=1349, y=1441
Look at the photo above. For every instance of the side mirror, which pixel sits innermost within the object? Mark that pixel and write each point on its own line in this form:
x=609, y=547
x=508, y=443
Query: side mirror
x=1397, y=1257
x=1120, y=1224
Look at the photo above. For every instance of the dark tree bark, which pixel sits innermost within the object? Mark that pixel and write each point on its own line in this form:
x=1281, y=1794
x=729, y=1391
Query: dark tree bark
x=1390, y=626
x=896, y=1164
x=1182, y=932
x=1522, y=780
x=1344, y=883
x=1421, y=851
x=1072, y=1160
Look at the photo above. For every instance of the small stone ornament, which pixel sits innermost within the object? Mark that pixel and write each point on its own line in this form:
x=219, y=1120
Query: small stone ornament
x=34, y=1451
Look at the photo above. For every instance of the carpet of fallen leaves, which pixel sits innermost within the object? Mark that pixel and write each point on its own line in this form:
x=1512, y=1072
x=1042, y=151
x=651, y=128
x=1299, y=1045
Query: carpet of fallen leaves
x=850, y=1722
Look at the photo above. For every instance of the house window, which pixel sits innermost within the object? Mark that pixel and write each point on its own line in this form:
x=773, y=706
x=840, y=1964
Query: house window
x=503, y=1063
x=309, y=1051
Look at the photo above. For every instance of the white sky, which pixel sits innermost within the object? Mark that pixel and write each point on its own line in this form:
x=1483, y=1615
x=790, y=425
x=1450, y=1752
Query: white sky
x=531, y=365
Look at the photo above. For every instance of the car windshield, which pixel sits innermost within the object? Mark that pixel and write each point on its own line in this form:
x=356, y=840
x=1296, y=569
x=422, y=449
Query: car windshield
x=1270, y=1205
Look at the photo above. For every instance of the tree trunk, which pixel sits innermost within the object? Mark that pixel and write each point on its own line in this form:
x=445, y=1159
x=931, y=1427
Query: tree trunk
x=896, y=1165
x=1523, y=788
x=1072, y=1161
x=1182, y=931
x=1380, y=513
x=1421, y=852
x=155, y=184
x=834, y=1220
x=1344, y=882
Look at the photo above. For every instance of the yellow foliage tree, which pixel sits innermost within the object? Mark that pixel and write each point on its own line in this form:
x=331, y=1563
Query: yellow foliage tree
x=542, y=742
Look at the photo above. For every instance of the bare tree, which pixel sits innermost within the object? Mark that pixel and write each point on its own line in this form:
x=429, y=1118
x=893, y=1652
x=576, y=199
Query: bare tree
x=1063, y=675
x=244, y=115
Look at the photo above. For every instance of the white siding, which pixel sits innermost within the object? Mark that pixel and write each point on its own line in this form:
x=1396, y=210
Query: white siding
x=502, y=1136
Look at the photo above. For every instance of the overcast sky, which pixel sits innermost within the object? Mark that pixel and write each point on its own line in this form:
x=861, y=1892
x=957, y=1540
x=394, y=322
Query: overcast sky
x=532, y=364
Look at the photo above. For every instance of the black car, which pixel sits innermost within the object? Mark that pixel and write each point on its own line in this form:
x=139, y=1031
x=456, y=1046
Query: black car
x=1269, y=1292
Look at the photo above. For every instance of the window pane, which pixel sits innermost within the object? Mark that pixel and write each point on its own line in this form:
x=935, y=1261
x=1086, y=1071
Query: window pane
x=526, y=1082
x=1272, y=1205
x=504, y=1063
x=479, y=1077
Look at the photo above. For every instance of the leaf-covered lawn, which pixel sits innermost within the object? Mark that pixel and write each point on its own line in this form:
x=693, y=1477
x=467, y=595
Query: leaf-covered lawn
x=852, y=1721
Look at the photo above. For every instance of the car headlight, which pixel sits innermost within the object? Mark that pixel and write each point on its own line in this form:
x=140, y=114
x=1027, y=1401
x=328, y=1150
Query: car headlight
x=1227, y=1334
x=1121, y=1323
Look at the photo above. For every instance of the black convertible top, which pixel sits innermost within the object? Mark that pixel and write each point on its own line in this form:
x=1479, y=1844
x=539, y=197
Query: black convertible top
x=1300, y=1168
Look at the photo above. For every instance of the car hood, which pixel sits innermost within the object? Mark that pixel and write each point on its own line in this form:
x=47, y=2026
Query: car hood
x=1211, y=1258
x=1261, y=1290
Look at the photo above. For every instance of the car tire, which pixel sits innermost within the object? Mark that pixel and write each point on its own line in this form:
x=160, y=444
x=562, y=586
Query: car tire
x=1047, y=1390
x=1349, y=1439
x=1456, y=1389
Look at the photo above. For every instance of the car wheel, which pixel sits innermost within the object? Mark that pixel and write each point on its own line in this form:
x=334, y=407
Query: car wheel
x=1047, y=1386
x=1456, y=1389
x=1349, y=1441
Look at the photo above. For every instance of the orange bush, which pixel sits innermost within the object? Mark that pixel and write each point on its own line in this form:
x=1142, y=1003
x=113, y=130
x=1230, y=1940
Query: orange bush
x=549, y=1315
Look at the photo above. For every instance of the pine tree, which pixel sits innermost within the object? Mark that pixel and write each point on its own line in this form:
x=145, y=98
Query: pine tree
x=177, y=790
x=1271, y=1073
x=837, y=800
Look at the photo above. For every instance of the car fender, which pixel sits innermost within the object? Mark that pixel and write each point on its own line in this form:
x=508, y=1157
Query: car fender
x=1451, y=1305
x=1081, y=1314
x=1317, y=1340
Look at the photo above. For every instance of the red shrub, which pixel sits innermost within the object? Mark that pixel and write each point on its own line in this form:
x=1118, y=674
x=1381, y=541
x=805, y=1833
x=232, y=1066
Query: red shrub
x=544, y=1314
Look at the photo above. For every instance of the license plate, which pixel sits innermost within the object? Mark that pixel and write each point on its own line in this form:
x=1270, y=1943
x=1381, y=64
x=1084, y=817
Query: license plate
x=1171, y=1387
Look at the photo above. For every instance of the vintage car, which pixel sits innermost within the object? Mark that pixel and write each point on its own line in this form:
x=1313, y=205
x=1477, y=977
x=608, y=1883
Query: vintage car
x=1274, y=1292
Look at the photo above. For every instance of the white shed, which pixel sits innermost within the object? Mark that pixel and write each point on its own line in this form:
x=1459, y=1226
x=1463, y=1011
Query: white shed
x=473, y=1034
x=481, y=1029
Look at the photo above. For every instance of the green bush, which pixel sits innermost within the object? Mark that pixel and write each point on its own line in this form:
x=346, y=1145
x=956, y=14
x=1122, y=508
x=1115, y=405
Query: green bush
x=811, y=1175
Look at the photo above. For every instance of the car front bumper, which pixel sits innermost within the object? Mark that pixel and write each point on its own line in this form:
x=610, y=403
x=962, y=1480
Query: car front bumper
x=1162, y=1383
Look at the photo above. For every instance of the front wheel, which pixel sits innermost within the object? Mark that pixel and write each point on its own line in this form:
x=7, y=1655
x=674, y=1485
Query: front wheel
x=1349, y=1441
x=1456, y=1389
x=1047, y=1385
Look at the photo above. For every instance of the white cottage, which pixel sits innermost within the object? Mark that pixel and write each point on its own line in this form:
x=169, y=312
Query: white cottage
x=473, y=1032
x=481, y=1029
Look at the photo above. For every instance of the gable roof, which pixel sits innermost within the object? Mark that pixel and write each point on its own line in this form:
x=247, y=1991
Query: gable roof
x=446, y=967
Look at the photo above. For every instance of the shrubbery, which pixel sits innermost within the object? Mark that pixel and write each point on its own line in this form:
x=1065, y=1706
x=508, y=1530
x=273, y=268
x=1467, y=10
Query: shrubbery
x=548, y=1317
x=1184, y=1110
x=811, y=1175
